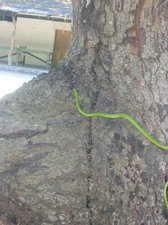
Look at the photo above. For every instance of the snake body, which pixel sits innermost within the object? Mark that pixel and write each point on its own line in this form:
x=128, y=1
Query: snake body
x=165, y=194
x=133, y=122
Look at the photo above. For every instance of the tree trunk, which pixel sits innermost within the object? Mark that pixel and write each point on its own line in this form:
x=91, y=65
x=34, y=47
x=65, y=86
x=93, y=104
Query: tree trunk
x=59, y=167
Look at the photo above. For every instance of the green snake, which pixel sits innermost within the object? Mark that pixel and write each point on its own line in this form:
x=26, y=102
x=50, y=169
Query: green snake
x=133, y=122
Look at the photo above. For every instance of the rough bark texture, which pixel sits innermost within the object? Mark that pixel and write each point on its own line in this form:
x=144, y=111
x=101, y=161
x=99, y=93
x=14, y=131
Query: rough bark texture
x=57, y=167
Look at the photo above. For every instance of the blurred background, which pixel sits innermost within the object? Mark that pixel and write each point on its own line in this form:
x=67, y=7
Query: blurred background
x=33, y=35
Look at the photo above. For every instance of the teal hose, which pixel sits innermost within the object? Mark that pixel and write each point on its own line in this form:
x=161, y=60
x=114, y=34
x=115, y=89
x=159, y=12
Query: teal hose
x=133, y=122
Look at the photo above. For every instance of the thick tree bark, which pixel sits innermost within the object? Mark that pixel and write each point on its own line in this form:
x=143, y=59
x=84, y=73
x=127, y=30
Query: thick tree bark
x=57, y=167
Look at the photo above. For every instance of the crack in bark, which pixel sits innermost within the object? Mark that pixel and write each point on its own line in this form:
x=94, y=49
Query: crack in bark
x=89, y=177
x=41, y=145
x=26, y=133
x=24, y=162
x=94, y=100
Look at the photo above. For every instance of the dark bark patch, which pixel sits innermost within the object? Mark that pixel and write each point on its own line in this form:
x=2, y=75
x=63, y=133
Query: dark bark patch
x=27, y=133
x=117, y=137
x=131, y=195
x=119, y=180
x=144, y=177
x=15, y=213
x=163, y=112
x=117, y=144
x=136, y=145
x=86, y=15
x=165, y=213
